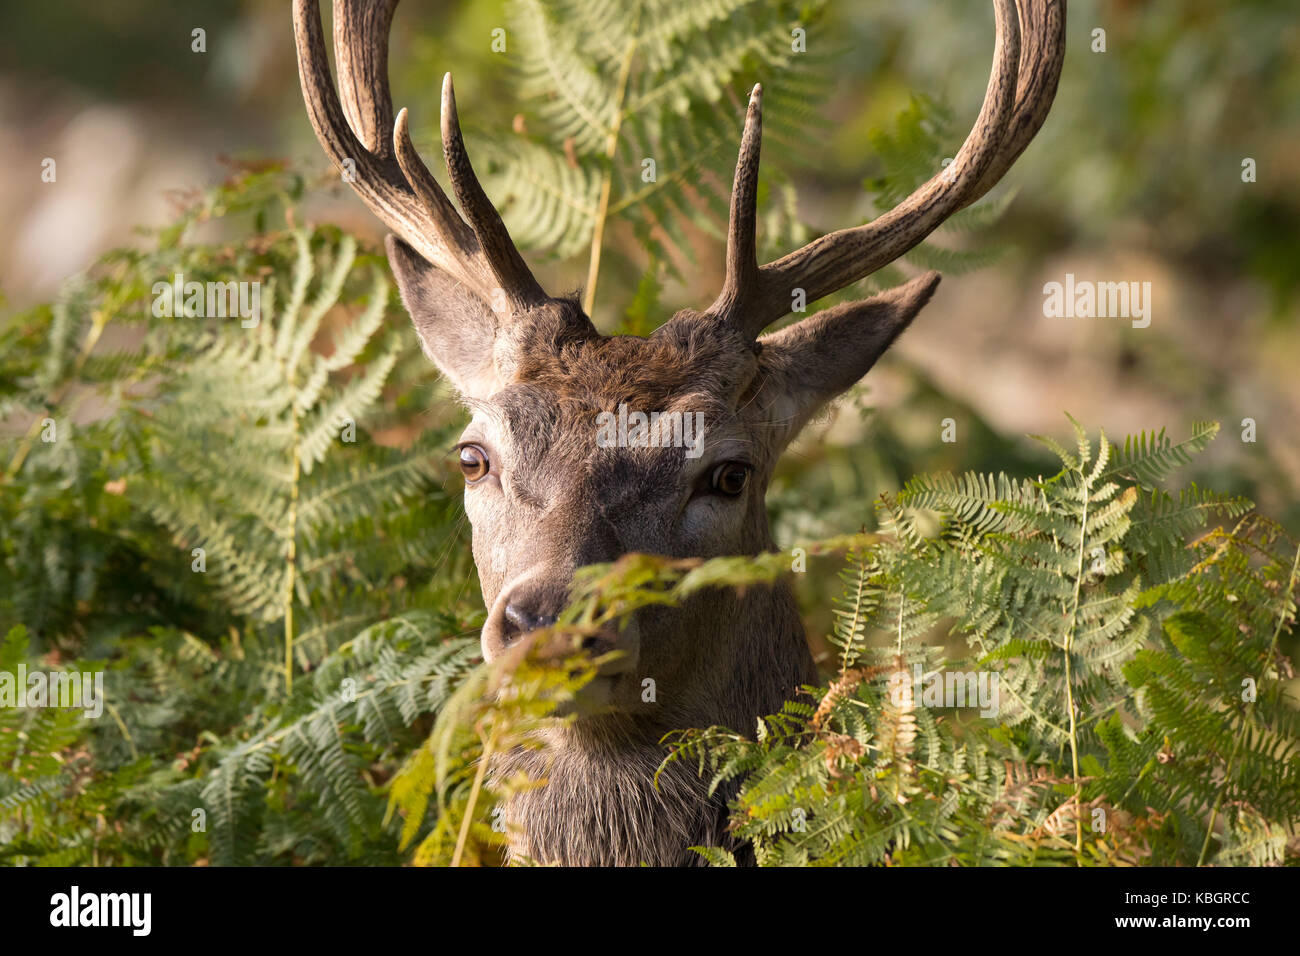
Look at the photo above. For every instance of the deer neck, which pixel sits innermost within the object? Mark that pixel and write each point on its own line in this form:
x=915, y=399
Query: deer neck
x=603, y=804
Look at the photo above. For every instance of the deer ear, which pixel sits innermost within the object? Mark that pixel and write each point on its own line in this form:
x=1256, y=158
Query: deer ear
x=807, y=364
x=457, y=329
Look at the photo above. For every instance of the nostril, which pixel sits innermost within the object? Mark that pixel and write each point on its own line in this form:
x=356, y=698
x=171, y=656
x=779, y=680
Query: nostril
x=520, y=621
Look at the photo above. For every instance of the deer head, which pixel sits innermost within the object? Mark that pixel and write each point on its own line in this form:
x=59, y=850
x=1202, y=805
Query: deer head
x=544, y=493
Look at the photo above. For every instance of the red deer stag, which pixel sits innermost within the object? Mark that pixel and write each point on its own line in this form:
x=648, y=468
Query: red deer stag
x=544, y=496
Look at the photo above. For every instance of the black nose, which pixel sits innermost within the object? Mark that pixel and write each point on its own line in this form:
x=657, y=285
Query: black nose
x=521, y=619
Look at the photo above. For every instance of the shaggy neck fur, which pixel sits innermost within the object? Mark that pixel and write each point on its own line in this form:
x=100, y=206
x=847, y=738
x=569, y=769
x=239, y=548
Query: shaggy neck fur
x=601, y=805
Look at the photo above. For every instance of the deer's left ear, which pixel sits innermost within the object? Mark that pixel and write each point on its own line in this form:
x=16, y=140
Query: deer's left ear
x=456, y=328
x=807, y=364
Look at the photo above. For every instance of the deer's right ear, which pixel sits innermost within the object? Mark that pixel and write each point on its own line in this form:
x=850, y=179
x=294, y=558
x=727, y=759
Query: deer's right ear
x=457, y=329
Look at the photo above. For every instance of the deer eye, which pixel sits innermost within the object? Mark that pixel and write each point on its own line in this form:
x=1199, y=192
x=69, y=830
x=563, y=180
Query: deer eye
x=730, y=478
x=474, y=464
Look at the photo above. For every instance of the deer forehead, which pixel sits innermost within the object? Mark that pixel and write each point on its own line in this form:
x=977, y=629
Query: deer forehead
x=687, y=356
x=553, y=406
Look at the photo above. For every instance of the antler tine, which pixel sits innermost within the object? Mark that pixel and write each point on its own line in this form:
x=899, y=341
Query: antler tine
x=742, y=254
x=1021, y=86
x=426, y=187
x=507, y=264
x=390, y=176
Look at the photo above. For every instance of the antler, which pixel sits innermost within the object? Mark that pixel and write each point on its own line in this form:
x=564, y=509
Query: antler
x=1027, y=56
x=389, y=175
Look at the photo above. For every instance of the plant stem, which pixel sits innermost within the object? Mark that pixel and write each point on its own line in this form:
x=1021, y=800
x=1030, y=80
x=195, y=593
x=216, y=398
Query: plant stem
x=291, y=558
x=479, y=774
x=1069, y=670
x=607, y=179
x=291, y=553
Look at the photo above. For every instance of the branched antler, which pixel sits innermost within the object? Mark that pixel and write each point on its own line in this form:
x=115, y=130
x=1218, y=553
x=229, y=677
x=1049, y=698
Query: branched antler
x=1027, y=57
x=356, y=127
